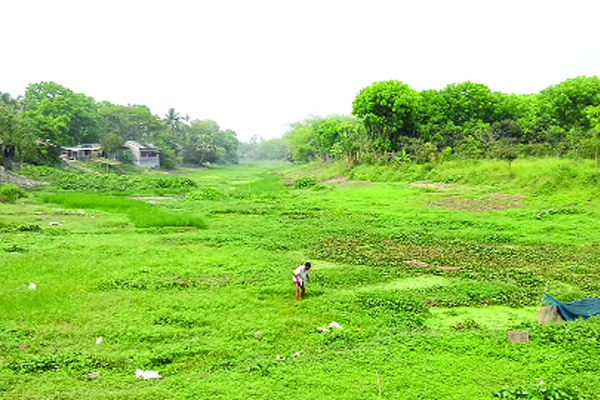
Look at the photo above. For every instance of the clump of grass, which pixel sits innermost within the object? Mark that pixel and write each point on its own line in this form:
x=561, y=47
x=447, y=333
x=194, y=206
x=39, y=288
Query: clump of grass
x=143, y=215
x=9, y=193
x=304, y=183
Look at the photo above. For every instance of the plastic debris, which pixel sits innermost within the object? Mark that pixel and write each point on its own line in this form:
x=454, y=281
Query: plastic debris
x=322, y=329
x=55, y=224
x=99, y=340
x=145, y=375
x=279, y=358
x=334, y=325
x=32, y=286
x=94, y=375
x=297, y=354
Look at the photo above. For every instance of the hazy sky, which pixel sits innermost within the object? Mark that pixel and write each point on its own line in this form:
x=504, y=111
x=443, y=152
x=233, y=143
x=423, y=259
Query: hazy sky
x=256, y=65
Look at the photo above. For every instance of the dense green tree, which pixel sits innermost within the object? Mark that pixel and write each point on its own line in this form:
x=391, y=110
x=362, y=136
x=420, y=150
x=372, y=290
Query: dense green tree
x=8, y=134
x=301, y=142
x=389, y=110
x=272, y=149
x=176, y=125
x=352, y=141
x=508, y=130
x=111, y=142
x=566, y=103
x=7, y=100
x=590, y=146
x=469, y=102
x=206, y=143
x=134, y=122
x=327, y=133
x=593, y=116
x=434, y=124
x=61, y=115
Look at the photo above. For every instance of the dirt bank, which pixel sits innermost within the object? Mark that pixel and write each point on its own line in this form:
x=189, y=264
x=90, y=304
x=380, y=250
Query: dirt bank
x=21, y=181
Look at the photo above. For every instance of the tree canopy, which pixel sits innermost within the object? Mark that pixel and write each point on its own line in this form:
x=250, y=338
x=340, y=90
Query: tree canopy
x=50, y=116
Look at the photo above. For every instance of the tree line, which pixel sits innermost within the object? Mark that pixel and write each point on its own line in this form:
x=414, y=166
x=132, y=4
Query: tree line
x=33, y=127
x=391, y=121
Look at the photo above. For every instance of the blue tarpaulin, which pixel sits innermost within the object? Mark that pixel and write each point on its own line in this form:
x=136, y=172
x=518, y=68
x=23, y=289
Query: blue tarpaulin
x=584, y=308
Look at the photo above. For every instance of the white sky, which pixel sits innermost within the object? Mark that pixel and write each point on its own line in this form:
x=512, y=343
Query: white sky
x=256, y=65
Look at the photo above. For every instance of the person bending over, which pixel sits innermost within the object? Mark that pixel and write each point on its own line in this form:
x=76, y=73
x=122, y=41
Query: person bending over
x=301, y=278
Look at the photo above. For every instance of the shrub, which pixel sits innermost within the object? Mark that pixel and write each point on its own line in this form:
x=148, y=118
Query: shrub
x=303, y=183
x=9, y=193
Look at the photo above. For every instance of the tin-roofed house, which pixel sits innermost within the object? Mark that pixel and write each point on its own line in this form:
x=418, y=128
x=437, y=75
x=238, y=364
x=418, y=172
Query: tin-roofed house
x=147, y=156
x=82, y=152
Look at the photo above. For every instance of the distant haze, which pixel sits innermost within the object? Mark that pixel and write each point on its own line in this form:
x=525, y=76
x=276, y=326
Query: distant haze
x=255, y=66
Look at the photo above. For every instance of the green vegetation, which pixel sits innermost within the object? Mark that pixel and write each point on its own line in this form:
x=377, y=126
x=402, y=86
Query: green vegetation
x=50, y=116
x=9, y=193
x=396, y=124
x=142, y=215
x=96, y=181
x=390, y=124
x=425, y=267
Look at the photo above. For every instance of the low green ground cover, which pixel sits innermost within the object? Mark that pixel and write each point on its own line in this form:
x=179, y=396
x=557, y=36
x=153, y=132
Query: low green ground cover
x=424, y=279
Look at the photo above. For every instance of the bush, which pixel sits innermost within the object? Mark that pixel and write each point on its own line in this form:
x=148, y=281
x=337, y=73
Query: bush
x=9, y=193
x=304, y=183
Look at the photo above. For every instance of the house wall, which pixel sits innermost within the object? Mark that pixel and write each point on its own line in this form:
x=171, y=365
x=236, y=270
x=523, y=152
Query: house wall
x=149, y=160
x=142, y=157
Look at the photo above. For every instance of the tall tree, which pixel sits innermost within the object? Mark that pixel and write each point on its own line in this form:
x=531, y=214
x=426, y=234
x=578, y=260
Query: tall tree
x=566, y=102
x=111, y=142
x=389, y=109
x=469, y=102
x=61, y=115
x=134, y=122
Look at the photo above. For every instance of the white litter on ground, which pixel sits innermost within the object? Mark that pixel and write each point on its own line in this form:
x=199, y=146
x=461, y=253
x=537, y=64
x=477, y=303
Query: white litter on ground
x=32, y=286
x=99, y=340
x=297, y=354
x=145, y=375
x=334, y=325
x=279, y=357
x=55, y=223
x=94, y=375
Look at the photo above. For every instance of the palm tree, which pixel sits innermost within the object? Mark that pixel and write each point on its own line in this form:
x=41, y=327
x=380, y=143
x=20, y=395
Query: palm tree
x=172, y=117
x=175, y=124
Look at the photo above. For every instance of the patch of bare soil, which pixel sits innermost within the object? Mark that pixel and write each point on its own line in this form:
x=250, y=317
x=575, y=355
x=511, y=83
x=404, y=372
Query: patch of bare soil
x=496, y=201
x=337, y=179
x=21, y=181
x=438, y=186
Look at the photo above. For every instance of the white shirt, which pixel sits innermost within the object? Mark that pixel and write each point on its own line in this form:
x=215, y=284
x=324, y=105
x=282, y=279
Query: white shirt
x=301, y=273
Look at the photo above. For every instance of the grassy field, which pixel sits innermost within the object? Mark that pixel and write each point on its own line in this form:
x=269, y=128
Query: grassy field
x=191, y=276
